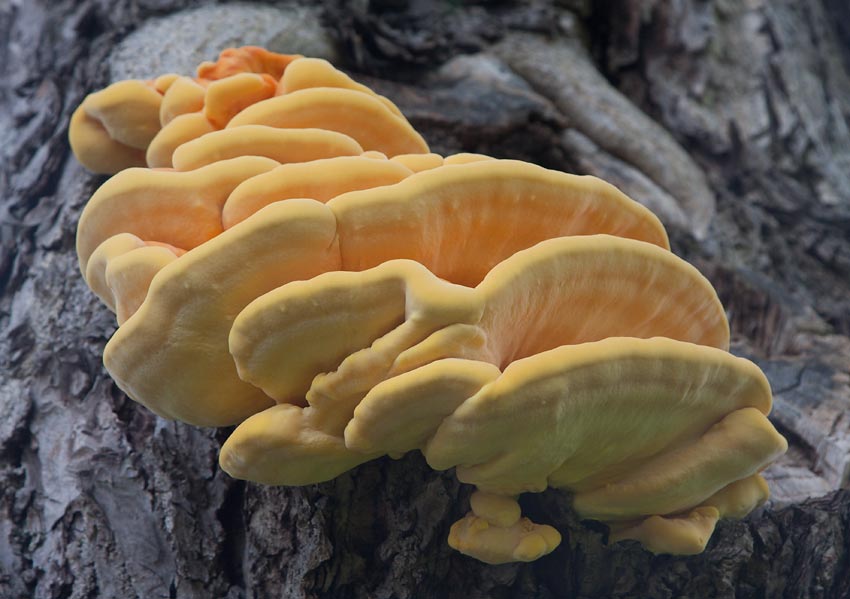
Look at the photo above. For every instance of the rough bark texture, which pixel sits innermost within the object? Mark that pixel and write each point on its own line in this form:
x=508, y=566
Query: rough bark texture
x=735, y=108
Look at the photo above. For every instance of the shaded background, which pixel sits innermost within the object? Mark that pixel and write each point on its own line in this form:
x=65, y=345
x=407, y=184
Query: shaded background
x=728, y=118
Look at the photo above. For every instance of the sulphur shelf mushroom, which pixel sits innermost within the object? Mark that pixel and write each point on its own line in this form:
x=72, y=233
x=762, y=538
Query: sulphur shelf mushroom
x=193, y=300
x=300, y=265
x=406, y=355
x=112, y=128
x=142, y=123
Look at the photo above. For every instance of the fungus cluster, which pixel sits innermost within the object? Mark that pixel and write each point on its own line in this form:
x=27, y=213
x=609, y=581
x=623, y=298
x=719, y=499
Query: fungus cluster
x=285, y=255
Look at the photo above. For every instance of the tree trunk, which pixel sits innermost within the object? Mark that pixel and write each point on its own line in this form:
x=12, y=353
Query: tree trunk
x=729, y=118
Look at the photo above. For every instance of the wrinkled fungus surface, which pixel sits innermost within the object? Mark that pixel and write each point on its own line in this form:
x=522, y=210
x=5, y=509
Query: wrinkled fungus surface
x=283, y=253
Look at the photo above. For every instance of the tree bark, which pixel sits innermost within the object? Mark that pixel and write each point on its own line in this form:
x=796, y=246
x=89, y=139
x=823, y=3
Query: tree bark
x=729, y=118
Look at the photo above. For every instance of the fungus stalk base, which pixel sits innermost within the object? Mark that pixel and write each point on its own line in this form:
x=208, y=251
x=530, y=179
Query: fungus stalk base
x=495, y=532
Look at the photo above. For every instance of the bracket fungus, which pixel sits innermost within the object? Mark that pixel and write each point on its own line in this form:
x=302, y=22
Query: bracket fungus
x=353, y=231
x=138, y=123
x=300, y=265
